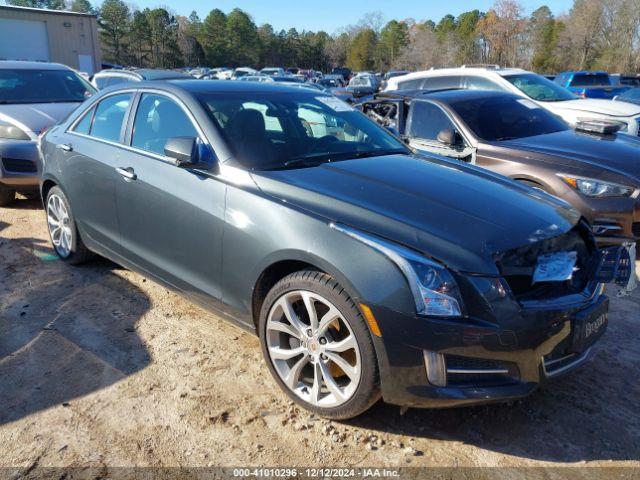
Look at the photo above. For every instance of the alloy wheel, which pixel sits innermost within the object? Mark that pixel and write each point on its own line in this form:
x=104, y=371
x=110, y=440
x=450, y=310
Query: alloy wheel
x=59, y=223
x=313, y=349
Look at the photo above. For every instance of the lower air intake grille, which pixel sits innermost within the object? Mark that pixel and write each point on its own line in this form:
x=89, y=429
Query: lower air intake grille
x=19, y=166
x=467, y=371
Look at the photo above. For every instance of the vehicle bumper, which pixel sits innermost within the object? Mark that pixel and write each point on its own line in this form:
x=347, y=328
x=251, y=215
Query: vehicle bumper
x=537, y=344
x=19, y=164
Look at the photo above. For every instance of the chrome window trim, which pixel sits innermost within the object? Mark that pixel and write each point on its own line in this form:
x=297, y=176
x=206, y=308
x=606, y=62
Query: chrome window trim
x=202, y=137
x=94, y=104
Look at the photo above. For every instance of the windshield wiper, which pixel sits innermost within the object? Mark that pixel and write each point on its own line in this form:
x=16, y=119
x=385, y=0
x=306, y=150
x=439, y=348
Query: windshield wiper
x=315, y=160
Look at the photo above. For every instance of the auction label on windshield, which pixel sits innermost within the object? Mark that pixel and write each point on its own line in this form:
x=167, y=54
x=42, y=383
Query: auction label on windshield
x=555, y=267
x=335, y=104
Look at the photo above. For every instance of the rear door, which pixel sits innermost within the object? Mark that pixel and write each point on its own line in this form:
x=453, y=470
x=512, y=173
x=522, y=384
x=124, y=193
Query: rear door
x=425, y=121
x=91, y=149
x=171, y=218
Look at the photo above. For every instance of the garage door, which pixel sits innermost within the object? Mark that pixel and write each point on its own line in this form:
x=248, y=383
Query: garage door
x=23, y=40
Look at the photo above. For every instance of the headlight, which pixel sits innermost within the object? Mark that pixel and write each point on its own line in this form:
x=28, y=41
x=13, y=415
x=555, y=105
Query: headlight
x=12, y=132
x=434, y=289
x=597, y=188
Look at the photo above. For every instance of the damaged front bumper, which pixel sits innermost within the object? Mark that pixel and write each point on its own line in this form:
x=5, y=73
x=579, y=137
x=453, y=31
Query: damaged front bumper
x=507, y=344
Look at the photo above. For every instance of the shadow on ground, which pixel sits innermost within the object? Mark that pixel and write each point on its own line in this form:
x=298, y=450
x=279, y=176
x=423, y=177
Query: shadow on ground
x=64, y=331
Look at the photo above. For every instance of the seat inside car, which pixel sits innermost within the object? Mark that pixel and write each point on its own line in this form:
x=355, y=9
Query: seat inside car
x=249, y=128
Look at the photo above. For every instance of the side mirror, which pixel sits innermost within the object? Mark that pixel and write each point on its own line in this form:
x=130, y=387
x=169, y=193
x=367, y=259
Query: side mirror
x=449, y=137
x=188, y=152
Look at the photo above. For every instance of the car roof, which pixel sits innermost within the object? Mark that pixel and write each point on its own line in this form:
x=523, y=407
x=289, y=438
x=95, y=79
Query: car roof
x=586, y=72
x=459, y=71
x=153, y=74
x=217, y=86
x=447, y=95
x=25, y=65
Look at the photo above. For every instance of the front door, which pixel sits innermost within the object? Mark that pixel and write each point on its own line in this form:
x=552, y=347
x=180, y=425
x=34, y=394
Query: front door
x=425, y=123
x=171, y=219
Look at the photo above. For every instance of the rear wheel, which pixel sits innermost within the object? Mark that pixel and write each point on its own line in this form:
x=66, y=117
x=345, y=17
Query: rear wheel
x=7, y=195
x=318, y=347
x=62, y=229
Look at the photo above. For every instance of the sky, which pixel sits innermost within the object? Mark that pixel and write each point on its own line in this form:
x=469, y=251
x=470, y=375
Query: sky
x=330, y=15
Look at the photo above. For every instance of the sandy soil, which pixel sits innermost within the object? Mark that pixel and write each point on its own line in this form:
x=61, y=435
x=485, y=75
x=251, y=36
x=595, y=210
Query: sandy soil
x=100, y=367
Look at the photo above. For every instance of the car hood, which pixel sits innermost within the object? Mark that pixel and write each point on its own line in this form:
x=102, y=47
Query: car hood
x=459, y=215
x=35, y=117
x=594, y=105
x=616, y=153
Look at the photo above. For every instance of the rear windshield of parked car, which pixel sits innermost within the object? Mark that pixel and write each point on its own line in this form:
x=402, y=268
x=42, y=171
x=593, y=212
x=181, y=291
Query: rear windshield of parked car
x=507, y=117
x=539, y=88
x=278, y=130
x=42, y=86
x=590, y=80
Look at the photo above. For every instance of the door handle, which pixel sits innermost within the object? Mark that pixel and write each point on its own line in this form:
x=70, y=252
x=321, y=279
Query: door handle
x=64, y=146
x=127, y=173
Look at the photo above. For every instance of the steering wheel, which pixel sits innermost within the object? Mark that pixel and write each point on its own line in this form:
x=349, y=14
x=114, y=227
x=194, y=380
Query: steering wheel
x=322, y=143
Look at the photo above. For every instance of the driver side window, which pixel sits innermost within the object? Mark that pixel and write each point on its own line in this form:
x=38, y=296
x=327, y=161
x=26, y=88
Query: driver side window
x=157, y=120
x=426, y=120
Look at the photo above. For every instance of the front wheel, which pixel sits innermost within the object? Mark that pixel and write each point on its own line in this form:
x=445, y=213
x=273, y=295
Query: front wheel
x=62, y=229
x=318, y=346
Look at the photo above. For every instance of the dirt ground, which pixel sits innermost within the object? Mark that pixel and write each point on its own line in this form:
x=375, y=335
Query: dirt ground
x=100, y=367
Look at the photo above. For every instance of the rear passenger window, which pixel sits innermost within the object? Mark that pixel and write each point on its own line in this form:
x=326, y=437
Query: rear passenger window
x=84, y=125
x=431, y=83
x=115, y=81
x=157, y=120
x=110, y=113
x=481, y=83
x=441, y=82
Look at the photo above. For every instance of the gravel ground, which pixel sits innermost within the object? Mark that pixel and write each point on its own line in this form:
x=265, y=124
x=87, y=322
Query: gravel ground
x=100, y=367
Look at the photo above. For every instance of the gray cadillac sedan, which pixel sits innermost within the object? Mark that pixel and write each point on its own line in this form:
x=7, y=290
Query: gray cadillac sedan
x=365, y=270
x=33, y=97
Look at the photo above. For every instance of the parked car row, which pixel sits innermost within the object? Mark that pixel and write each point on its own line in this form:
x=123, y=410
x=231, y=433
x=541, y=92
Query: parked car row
x=369, y=263
x=597, y=174
x=550, y=95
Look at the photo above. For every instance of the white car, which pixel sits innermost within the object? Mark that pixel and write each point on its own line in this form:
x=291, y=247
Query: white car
x=225, y=74
x=548, y=94
x=240, y=72
x=273, y=71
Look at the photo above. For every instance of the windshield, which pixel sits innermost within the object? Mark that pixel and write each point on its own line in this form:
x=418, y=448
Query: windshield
x=506, y=117
x=329, y=82
x=42, y=86
x=540, y=88
x=360, y=82
x=294, y=130
x=633, y=94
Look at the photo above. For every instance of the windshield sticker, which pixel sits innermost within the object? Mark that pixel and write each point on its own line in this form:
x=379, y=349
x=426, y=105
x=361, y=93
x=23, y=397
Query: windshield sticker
x=335, y=104
x=528, y=103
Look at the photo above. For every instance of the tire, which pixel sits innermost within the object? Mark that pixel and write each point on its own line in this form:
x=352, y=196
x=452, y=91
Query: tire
x=66, y=240
x=7, y=196
x=347, y=378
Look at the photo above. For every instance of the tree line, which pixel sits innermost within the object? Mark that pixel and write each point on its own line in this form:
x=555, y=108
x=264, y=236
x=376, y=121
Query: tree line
x=594, y=34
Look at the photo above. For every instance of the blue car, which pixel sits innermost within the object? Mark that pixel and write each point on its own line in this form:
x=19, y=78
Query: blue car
x=590, y=84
